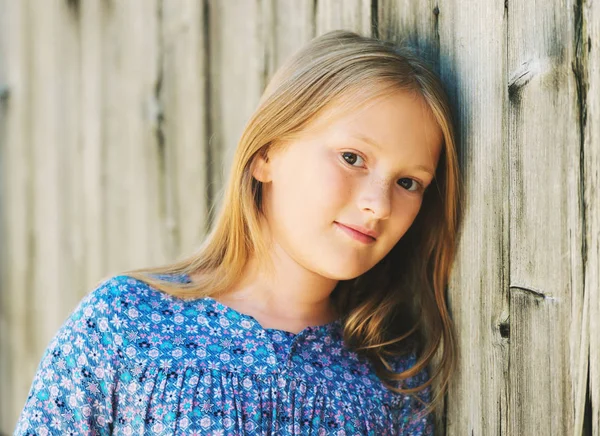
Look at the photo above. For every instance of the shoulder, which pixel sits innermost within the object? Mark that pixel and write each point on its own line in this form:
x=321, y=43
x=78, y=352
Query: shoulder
x=106, y=298
x=103, y=305
x=76, y=374
x=126, y=300
x=130, y=305
x=91, y=324
x=92, y=313
x=111, y=308
x=119, y=322
x=150, y=326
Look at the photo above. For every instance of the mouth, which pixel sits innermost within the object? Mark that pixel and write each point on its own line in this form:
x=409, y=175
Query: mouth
x=355, y=234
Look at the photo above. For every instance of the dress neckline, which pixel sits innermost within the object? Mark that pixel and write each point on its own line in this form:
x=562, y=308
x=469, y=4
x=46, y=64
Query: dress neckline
x=223, y=308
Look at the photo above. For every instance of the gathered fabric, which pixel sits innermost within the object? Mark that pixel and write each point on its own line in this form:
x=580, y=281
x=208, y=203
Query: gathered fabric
x=132, y=360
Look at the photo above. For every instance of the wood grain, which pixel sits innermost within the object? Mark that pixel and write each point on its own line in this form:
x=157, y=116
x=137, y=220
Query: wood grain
x=545, y=241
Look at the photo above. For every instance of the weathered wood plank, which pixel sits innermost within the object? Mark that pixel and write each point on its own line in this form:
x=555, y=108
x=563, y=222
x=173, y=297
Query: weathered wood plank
x=135, y=207
x=590, y=53
x=42, y=122
x=92, y=161
x=473, y=67
x=16, y=363
x=67, y=92
x=48, y=149
x=546, y=235
x=183, y=129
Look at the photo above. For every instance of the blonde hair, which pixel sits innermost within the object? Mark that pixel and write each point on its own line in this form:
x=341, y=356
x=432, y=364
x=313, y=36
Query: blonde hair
x=400, y=302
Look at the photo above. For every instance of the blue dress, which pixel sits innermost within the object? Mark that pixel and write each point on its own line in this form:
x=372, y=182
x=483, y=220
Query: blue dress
x=132, y=360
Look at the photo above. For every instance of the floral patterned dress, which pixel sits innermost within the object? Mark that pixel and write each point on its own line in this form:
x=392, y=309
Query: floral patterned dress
x=132, y=360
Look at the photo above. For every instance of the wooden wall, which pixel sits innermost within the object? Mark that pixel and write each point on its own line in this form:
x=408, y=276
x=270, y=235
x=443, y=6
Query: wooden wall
x=118, y=119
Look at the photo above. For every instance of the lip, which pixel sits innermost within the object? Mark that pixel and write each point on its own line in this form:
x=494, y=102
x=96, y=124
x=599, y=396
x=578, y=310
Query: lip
x=359, y=233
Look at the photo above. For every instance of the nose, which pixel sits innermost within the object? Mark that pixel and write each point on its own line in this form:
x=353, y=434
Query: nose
x=375, y=199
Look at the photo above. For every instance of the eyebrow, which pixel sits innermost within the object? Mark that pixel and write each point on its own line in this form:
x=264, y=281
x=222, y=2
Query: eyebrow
x=370, y=141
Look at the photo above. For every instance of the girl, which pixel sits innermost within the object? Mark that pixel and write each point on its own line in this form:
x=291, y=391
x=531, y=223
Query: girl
x=316, y=302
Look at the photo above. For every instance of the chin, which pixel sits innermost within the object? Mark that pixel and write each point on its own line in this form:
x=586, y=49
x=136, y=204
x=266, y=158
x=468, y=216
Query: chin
x=341, y=272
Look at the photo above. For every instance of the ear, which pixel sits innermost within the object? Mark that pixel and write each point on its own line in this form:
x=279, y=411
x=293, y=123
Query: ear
x=261, y=167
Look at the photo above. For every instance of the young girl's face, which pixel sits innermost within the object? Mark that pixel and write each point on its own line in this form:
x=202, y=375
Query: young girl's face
x=366, y=170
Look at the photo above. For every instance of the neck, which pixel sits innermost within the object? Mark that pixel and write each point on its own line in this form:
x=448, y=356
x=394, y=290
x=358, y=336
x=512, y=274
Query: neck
x=288, y=297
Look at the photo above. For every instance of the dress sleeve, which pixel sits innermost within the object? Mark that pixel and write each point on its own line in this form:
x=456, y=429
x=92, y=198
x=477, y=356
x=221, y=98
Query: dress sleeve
x=71, y=392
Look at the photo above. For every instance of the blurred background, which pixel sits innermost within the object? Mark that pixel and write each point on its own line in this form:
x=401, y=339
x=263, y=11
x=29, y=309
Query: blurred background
x=118, y=119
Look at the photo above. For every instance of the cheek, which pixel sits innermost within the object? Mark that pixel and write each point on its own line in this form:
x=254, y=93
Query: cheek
x=406, y=210
x=334, y=185
x=333, y=192
x=312, y=190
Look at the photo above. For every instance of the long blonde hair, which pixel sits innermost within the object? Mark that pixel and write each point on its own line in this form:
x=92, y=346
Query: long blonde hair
x=400, y=302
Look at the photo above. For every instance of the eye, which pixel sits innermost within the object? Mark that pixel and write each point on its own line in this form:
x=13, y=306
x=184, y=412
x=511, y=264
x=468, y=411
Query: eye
x=416, y=184
x=351, y=158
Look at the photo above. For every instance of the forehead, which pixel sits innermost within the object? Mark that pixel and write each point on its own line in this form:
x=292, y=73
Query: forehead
x=392, y=120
